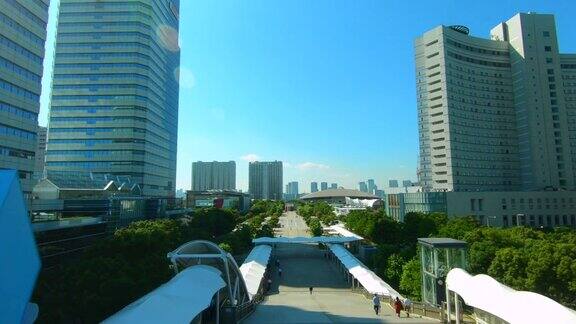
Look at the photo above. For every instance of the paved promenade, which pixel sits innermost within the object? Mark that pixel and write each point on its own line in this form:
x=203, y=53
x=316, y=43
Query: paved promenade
x=332, y=301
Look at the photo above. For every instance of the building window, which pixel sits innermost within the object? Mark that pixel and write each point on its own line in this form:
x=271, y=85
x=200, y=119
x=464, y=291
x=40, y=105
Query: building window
x=548, y=48
x=546, y=33
x=540, y=220
x=472, y=204
x=480, y=201
x=548, y=60
x=505, y=220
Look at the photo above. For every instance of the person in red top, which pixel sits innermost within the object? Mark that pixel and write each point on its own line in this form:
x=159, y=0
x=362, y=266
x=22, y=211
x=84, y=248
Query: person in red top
x=397, y=306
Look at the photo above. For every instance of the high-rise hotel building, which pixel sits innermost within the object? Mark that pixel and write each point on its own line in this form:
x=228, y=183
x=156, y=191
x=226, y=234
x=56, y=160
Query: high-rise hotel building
x=114, y=105
x=496, y=114
x=22, y=38
x=213, y=176
x=265, y=180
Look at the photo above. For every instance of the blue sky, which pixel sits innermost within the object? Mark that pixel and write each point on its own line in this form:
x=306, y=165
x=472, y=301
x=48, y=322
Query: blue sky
x=325, y=86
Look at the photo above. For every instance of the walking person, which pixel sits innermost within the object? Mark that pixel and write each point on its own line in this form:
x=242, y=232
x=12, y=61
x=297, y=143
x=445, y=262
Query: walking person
x=311, y=289
x=407, y=306
x=376, y=303
x=279, y=272
x=397, y=306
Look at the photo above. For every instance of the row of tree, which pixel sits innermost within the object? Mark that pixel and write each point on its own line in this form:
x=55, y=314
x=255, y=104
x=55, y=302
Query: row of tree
x=316, y=215
x=543, y=261
x=121, y=268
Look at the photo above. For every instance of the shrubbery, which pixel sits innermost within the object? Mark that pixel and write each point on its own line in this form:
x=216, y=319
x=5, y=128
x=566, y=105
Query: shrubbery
x=521, y=257
x=122, y=268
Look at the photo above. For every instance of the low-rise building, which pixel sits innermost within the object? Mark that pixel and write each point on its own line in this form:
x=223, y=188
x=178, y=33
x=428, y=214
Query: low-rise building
x=219, y=198
x=116, y=199
x=491, y=208
x=337, y=196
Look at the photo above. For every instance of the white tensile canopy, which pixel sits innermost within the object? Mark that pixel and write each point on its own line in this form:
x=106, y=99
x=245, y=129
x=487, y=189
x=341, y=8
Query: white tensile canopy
x=341, y=230
x=515, y=307
x=305, y=240
x=179, y=300
x=254, y=267
x=367, y=278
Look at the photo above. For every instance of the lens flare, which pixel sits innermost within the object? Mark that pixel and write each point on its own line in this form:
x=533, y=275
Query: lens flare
x=168, y=37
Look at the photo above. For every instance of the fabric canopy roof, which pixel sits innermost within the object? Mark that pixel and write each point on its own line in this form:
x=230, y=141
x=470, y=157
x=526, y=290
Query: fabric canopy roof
x=339, y=229
x=254, y=267
x=305, y=240
x=179, y=300
x=485, y=293
x=367, y=278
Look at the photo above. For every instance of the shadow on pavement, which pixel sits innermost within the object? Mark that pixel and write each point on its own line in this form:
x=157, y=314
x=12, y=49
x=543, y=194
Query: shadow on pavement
x=287, y=314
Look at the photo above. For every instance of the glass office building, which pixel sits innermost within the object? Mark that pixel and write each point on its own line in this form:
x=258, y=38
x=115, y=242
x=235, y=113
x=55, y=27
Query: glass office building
x=22, y=38
x=114, y=105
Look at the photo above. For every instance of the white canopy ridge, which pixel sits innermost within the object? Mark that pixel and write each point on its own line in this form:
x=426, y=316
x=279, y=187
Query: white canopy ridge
x=515, y=307
x=254, y=267
x=367, y=278
x=179, y=300
x=305, y=240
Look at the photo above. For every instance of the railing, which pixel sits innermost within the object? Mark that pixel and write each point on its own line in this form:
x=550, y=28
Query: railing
x=417, y=308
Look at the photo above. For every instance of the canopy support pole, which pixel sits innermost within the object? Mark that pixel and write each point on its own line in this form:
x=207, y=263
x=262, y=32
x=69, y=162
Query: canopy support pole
x=218, y=307
x=448, y=310
x=457, y=308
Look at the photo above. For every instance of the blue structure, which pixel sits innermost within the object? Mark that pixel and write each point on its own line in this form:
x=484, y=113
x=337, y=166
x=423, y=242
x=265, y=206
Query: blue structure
x=21, y=262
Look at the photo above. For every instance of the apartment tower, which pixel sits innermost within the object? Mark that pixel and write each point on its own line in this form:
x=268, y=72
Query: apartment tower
x=213, y=176
x=114, y=105
x=496, y=114
x=22, y=38
x=313, y=186
x=265, y=180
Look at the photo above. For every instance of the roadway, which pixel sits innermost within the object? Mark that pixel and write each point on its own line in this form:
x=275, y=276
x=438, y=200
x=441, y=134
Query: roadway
x=332, y=301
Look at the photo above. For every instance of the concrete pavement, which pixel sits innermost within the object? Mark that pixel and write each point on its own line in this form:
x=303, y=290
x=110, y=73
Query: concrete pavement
x=332, y=301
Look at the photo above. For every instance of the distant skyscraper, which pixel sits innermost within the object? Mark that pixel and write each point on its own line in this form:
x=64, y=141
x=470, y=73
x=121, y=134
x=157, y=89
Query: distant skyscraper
x=22, y=38
x=40, y=153
x=496, y=114
x=114, y=105
x=362, y=186
x=292, y=190
x=334, y=186
x=371, y=186
x=313, y=186
x=265, y=180
x=213, y=176
x=323, y=185
x=393, y=183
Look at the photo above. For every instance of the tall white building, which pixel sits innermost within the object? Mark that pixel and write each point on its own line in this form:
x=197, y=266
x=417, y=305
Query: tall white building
x=496, y=114
x=213, y=176
x=323, y=186
x=265, y=180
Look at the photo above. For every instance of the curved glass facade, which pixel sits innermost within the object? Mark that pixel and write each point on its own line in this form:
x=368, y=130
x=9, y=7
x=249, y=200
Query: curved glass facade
x=493, y=115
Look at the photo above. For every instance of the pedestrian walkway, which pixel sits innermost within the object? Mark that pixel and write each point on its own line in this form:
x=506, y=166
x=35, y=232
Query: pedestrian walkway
x=332, y=301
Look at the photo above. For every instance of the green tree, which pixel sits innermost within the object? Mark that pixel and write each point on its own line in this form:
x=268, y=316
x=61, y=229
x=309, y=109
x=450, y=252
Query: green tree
x=411, y=279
